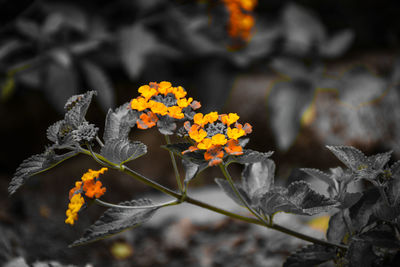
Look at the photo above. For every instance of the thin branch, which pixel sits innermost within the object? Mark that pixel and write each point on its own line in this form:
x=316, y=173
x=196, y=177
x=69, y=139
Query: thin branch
x=177, y=175
x=110, y=205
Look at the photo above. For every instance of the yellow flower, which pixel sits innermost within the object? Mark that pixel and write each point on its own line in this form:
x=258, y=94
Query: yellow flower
x=158, y=108
x=211, y=117
x=206, y=143
x=196, y=134
x=235, y=133
x=179, y=92
x=229, y=119
x=175, y=112
x=199, y=119
x=74, y=206
x=139, y=104
x=219, y=139
x=163, y=87
x=147, y=92
x=91, y=174
x=183, y=102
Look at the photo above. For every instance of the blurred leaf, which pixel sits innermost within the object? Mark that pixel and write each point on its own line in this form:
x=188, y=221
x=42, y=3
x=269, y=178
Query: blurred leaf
x=120, y=151
x=258, y=177
x=320, y=176
x=29, y=28
x=99, y=81
x=338, y=44
x=7, y=87
x=310, y=255
x=61, y=82
x=116, y=220
x=136, y=43
x=360, y=253
x=337, y=228
x=119, y=122
x=290, y=68
x=319, y=223
x=64, y=15
x=361, y=212
x=36, y=164
x=383, y=236
x=226, y=187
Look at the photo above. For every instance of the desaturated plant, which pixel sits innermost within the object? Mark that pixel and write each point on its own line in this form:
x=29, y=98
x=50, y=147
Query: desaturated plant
x=364, y=230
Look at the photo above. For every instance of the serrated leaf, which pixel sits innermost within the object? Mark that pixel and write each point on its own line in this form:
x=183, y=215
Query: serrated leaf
x=350, y=156
x=77, y=107
x=378, y=161
x=250, y=156
x=395, y=170
x=258, y=178
x=119, y=122
x=53, y=131
x=320, y=176
x=116, y=220
x=360, y=253
x=34, y=165
x=298, y=198
x=226, y=187
x=336, y=229
x=196, y=157
x=99, y=81
x=120, y=151
x=310, y=255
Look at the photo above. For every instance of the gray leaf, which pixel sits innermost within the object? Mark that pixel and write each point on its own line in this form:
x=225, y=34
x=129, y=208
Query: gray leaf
x=320, y=175
x=34, y=165
x=226, y=187
x=53, y=131
x=99, y=81
x=250, y=156
x=337, y=228
x=120, y=151
x=310, y=255
x=360, y=253
x=338, y=44
x=350, y=156
x=196, y=157
x=258, y=176
x=115, y=220
x=119, y=122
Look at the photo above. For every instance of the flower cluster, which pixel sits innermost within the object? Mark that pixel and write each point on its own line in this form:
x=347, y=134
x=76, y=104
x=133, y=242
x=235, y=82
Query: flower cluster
x=90, y=187
x=240, y=20
x=162, y=100
x=216, y=134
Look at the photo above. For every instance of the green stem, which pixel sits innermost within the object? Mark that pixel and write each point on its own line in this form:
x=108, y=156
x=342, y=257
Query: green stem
x=177, y=176
x=110, y=205
x=198, y=203
x=232, y=184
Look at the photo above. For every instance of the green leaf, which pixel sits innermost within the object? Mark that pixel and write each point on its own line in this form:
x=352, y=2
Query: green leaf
x=119, y=122
x=116, y=220
x=298, y=198
x=320, y=176
x=120, y=151
x=36, y=164
x=310, y=255
x=98, y=80
x=258, y=178
x=250, y=156
x=226, y=187
x=337, y=228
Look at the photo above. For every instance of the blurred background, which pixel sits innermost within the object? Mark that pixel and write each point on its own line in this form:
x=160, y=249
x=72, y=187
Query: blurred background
x=304, y=74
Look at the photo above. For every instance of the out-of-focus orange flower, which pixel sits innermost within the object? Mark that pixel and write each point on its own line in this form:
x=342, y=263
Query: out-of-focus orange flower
x=147, y=92
x=214, y=155
x=93, y=189
x=147, y=120
x=241, y=21
x=74, y=206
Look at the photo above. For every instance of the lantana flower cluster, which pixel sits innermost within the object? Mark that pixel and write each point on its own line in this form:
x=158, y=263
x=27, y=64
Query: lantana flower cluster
x=160, y=100
x=89, y=187
x=217, y=134
x=241, y=21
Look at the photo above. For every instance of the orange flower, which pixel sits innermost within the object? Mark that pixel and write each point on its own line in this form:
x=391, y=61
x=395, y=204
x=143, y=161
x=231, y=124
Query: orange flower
x=175, y=112
x=233, y=148
x=183, y=102
x=219, y=139
x=199, y=119
x=158, y=108
x=214, y=155
x=211, y=117
x=139, y=104
x=235, y=133
x=78, y=186
x=147, y=92
x=195, y=105
x=91, y=174
x=93, y=189
x=163, y=87
x=74, y=206
x=147, y=120
x=206, y=143
x=190, y=149
x=197, y=134
x=179, y=92
x=229, y=119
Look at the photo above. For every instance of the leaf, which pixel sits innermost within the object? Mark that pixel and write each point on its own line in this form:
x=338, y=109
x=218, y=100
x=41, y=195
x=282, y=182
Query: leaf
x=196, y=157
x=226, y=187
x=258, y=177
x=298, y=198
x=99, y=81
x=135, y=44
x=76, y=107
x=250, y=156
x=34, y=165
x=349, y=200
x=53, y=131
x=288, y=67
x=350, y=156
x=119, y=122
x=120, y=151
x=192, y=169
x=116, y=220
x=166, y=125
x=338, y=44
x=320, y=175
x=310, y=255
x=336, y=229
x=60, y=83
x=382, y=236
x=361, y=212
x=360, y=253
x=378, y=161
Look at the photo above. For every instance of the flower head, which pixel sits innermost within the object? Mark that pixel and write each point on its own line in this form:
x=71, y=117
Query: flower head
x=162, y=101
x=241, y=21
x=217, y=135
x=90, y=187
